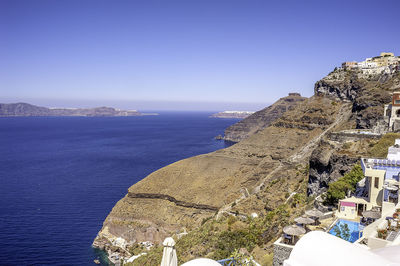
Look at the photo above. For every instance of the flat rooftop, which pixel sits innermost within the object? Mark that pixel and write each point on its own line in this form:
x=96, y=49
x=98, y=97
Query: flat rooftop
x=392, y=167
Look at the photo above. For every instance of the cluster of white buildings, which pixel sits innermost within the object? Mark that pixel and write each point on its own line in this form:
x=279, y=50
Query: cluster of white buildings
x=379, y=240
x=385, y=63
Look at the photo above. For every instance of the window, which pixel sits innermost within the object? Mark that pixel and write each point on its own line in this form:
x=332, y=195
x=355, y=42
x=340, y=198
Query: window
x=397, y=101
x=376, y=184
x=342, y=209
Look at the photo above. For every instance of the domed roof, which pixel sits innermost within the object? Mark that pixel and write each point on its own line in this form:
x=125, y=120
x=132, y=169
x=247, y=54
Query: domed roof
x=319, y=248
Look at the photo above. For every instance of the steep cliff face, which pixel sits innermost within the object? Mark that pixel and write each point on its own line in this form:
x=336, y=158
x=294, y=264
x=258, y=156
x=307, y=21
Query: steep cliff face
x=234, y=179
x=368, y=95
x=260, y=172
x=261, y=119
x=326, y=166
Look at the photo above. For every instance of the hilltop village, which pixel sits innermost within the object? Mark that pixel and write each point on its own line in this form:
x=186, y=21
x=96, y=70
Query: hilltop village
x=386, y=63
x=319, y=177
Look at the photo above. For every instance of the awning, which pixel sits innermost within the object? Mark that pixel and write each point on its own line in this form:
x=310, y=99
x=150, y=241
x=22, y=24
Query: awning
x=354, y=200
x=347, y=204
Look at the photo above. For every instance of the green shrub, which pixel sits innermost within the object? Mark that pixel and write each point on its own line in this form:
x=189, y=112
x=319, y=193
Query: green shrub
x=151, y=258
x=229, y=241
x=380, y=149
x=338, y=189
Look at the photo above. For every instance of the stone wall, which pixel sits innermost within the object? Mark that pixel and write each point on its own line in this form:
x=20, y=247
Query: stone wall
x=281, y=253
x=351, y=136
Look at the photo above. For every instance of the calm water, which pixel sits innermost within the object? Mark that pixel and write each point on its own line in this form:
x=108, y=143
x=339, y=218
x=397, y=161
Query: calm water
x=354, y=229
x=61, y=176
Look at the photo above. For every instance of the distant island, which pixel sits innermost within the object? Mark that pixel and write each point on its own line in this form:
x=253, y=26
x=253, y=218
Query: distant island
x=25, y=109
x=232, y=114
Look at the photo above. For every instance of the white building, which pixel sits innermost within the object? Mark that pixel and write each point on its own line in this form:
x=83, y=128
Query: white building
x=318, y=248
x=392, y=112
x=381, y=184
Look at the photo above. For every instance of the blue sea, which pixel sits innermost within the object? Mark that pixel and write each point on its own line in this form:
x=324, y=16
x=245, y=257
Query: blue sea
x=61, y=176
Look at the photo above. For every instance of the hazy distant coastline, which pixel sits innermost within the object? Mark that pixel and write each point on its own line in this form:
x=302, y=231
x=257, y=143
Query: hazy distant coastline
x=232, y=114
x=26, y=109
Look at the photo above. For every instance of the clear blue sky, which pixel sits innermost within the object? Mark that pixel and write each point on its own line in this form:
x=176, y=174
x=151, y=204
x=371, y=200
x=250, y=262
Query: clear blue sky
x=189, y=54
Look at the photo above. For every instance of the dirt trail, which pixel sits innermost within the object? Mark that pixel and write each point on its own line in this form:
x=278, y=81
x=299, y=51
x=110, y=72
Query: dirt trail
x=298, y=157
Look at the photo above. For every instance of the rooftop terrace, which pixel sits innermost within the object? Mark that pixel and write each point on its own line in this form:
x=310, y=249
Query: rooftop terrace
x=392, y=167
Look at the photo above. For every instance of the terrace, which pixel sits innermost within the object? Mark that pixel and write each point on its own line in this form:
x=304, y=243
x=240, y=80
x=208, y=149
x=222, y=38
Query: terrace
x=391, y=175
x=384, y=231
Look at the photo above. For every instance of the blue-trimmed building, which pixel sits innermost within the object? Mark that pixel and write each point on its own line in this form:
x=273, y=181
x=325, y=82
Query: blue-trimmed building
x=381, y=185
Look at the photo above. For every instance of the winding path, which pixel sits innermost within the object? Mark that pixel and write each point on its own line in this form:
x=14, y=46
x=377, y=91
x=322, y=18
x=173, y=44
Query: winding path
x=305, y=152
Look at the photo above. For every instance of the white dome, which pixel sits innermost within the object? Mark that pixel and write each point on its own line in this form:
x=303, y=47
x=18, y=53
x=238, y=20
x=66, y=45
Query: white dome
x=319, y=248
x=201, y=262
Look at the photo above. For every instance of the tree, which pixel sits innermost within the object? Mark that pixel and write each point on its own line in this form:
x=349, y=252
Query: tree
x=338, y=190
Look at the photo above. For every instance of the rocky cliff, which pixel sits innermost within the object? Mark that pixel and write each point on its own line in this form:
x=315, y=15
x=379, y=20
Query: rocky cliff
x=367, y=95
x=233, y=180
x=261, y=119
x=257, y=175
x=25, y=109
x=326, y=166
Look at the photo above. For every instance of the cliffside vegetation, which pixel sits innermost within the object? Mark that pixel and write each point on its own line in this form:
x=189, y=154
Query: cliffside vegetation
x=338, y=189
x=380, y=149
x=219, y=239
x=222, y=238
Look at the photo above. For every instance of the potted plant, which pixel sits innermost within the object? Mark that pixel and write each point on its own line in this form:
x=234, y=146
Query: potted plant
x=382, y=233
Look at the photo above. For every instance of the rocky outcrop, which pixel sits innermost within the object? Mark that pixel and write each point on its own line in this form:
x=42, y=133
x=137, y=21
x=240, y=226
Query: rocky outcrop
x=339, y=85
x=262, y=118
x=326, y=166
x=368, y=96
x=256, y=174
x=25, y=109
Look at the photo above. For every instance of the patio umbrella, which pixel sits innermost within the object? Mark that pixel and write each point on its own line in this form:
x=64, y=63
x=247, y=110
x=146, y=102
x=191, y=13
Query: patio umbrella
x=294, y=230
x=169, y=254
x=304, y=220
x=391, y=188
x=314, y=213
x=371, y=214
